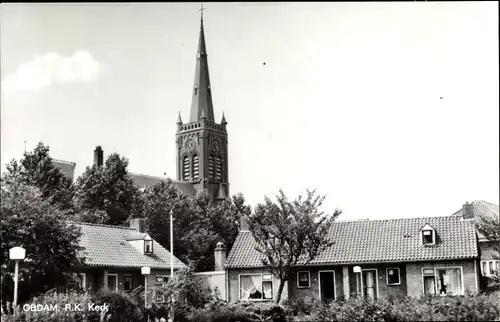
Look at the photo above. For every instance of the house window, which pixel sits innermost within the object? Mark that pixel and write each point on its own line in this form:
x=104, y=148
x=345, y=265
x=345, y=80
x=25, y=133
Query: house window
x=427, y=237
x=161, y=280
x=393, y=276
x=489, y=267
x=80, y=279
x=148, y=246
x=442, y=281
x=303, y=279
x=128, y=282
x=256, y=287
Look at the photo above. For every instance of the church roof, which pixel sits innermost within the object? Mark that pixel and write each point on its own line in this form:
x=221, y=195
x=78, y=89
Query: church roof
x=202, y=95
x=147, y=181
x=66, y=167
x=108, y=246
x=371, y=241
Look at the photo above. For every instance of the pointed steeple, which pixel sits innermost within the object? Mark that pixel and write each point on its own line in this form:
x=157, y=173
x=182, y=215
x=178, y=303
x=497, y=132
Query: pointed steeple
x=223, y=121
x=179, y=120
x=202, y=96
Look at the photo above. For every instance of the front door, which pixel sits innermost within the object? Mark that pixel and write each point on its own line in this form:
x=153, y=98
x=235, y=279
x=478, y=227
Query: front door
x=113, y=282
x=369, y=278
x=327, y=286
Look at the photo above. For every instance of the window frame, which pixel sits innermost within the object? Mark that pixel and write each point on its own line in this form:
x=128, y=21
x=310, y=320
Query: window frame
x=84, y=279
x=496, y=264
x=165, y=280
x=308, y=279
x=148, y=241
x=262, y=281
x=436, y=281
x=433, y=236
x=124, y=282
x=116, y=276
x=387, y=276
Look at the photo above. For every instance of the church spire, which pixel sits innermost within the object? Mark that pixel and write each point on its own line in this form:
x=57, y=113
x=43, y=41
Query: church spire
x=202, y=96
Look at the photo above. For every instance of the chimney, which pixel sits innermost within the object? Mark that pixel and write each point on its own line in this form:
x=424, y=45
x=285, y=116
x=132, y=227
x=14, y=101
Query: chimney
x=468, y=211
x=98, y=156
x=138, y=224
x=220, y=256
x=244, y=224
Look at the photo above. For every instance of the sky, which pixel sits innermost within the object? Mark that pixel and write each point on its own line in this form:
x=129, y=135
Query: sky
x=389, y=109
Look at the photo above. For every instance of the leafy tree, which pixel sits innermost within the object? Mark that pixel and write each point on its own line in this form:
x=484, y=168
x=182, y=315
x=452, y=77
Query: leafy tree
x=33, y=222
x=489, y=227
x=289, y=234
x=187, y=288
x=36, y=168
x=193, y=236
x=198, y=223
x=109, y=189
x=225, y=218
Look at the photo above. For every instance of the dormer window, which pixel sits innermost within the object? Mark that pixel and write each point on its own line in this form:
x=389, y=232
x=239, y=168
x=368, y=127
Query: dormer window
x=148, y=245
x=428, y=235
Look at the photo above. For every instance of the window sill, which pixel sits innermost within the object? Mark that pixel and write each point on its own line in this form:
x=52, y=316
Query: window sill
x=304, y=286
x=396, y=284
x=257, y=300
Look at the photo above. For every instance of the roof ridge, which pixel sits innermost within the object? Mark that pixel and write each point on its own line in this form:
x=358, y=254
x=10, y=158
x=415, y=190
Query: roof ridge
x=146, y=175
x=98, y=225
x=64, y=161
x=395, y=219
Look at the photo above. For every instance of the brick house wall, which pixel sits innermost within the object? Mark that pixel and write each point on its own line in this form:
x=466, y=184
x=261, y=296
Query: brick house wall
x=95, y=278
x=313, y=290
x=233, y=291
x=415, y=279
x=384, y=290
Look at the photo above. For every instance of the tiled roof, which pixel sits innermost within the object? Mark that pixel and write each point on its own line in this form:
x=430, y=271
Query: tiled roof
x=107, y=245
x=66, y=167
x=146, y=181
x=481, y=210
x=378, y=241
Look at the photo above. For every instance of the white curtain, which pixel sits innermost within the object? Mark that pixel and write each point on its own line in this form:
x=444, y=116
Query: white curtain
x=268, y=290
x=250, y=285
x=429, y=285
x=454, y=279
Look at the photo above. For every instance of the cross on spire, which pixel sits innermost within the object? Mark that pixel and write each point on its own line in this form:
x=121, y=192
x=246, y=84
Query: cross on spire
x=201, y=10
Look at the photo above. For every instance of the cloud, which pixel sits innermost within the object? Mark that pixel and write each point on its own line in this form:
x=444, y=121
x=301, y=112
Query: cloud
x=52, y=68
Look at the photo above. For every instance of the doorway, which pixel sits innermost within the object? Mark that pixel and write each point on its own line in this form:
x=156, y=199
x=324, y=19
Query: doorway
x=369, y=280
x=326, y=286
x=113, y=282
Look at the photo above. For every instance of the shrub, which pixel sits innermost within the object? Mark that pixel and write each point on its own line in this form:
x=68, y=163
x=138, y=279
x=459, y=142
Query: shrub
x=121, y=307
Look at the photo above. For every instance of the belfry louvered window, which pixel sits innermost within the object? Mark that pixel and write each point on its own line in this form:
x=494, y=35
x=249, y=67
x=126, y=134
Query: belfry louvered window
x=211, y=167
x=218, y=168
x=185, y=168
x=196, y=167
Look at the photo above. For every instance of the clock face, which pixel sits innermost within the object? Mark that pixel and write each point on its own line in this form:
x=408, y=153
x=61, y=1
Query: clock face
x=216, y=145
x=190, y=145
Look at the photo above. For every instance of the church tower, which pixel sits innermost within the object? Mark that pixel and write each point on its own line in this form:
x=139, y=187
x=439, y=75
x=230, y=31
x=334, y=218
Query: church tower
x=202, y=156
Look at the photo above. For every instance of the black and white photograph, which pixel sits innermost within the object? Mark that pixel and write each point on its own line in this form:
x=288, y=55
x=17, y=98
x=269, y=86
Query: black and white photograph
x=250, y=161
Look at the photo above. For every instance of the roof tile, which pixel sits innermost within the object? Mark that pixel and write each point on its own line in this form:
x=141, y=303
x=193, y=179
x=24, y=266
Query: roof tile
x=107, y=245
x=378, y=241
